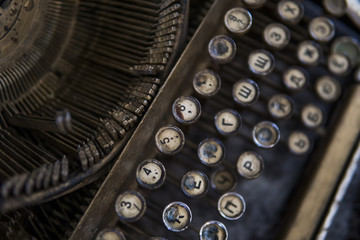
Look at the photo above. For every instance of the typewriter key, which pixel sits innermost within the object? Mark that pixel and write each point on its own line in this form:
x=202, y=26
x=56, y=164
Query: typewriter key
x=151, y=174
x=295, y=78
x=223, y=180
x=266, y=134
x=312, y=116
x=110, y=234
x=290, y=11
x=207, y=83
x=222, y=49
x=276, y=35
x=213, y=230
x=169, y=139
x=177, y=216
x=254, y=3
x=228, y=122
x=338, y=64
x=299, y=143
x=130, y=206
x=195, y=184
x=211, y=152
x=245, y=92
x=261, y=62
x=327, y=88
x=321, y=29
x=231, y=206
x=186, y=110
x=250, y=165
x=238, y=21
x=309, y=53
x=336, y=8
x=281, y=106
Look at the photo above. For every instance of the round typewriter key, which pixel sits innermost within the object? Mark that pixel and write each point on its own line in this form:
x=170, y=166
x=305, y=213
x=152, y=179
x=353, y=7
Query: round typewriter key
x=245, y=92
x=222, y=49
x=213, y=230
x=266, y=134
x=299, y=143
x=281, y=106
x=295, y=78
x=169, y=139
x=238, y=21
x=150, y=174
x=290, y=11
x=254, y=3
x=207, y=83
x=130, y=206
x=195, y=184
x=336, y=8
x=211, y=152
x=231, y=206
x=223, y=180
x=186, y=110
x=177, y=216
x=228, y=122
x=312, y=116
x=110, y=234
x=327, y=88
x=276, y=35
x=349, y=47
x=309, y=53
x=250, y=165
x=321, y=29
x=261, y=62
x=338, y=64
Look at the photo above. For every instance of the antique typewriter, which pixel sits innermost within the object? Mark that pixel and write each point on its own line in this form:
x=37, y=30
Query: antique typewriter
x=180, y=119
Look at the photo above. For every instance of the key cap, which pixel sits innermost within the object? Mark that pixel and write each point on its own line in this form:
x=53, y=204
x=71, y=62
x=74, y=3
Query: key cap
x=169, y=139
x=110, y=234
x=213, y=230
x=227, y=122
x=281, y=106
x=276, y=35
x=250, y=165
x=338, y=64
x=207, y=83
x=321, y=29
x=231, y=206
x=295, y=78
x=195, y=184
x=327, y=88
x=336, y=8
x=309, y=53
x=211, y=152
x=245, y=92
x=266, y=134
x=177, y=216
x=222, y=49
x=151, y=174
x=299, y=143
x=186, y=110
x=223, y=180
x=254, y=4
x=130, y=206
x=261, y=62
x=290, y=11
x=312, y=115
x=238, y=21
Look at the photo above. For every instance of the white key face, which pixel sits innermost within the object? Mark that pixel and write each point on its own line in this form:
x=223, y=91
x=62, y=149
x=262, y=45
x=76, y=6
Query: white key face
x=186, y=110
x=327, y=88
x=130, y=206
x=299, y=143
x=110, y=234
x=227, y=122
x=211, y=152
x=290, y=11
x=281, y=106
x=295, y=78
x=312, y=116
x=213, y=230
x=169, y=139
x=276, y=35
x=231, y=206
x=321, y=29
x=222, y=49
x=249, y=165
x=261, y=62
x=150, y=174
x=308, y=53
x=195, y=184
x=254, y=3
x=177, y=216
x=338, y=64
x=207, y=83
x=238, y=20
x=245, y=92
x=266, y=134
x=223, y=180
